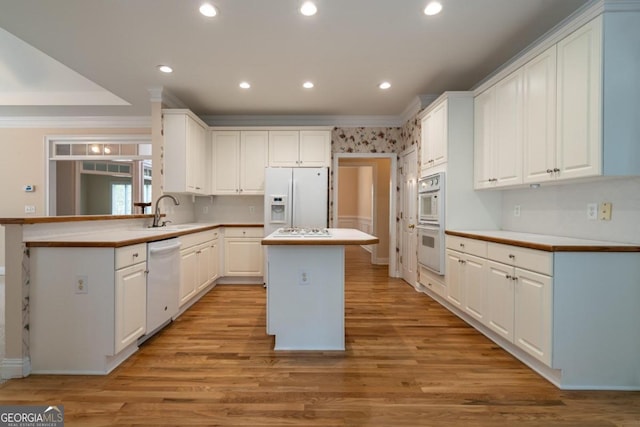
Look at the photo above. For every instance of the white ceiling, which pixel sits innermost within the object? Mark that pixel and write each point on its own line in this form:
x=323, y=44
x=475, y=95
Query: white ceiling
x=347, y=49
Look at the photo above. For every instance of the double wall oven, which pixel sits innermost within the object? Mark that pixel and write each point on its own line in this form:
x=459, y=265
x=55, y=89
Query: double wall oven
x=431, y=222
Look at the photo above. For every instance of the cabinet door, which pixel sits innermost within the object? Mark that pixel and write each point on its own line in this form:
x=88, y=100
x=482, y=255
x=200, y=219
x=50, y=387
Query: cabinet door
x=579, y=126
x=243, y=257
x=196, y=161
x=438, y=135
x=130, y=305
x=475, y=286
x=425, y=123
x=254, y=146
x=188, y=275
x=202, y=260
x=508, y=130
x=484, y=135
x=225, y=154
x=214, y=260
x=539, y=79
x=533, y=301
x=500, y=305
x=454, y=278
x=283, y=148
x=315, y=148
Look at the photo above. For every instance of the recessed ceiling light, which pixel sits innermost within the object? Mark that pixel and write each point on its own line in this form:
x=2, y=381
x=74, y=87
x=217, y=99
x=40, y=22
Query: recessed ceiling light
x=307, y=85
x=165, y=69
x=208, y=10
x=308, y=8
x=245, y=85
x=384, y=85
x=433, y=8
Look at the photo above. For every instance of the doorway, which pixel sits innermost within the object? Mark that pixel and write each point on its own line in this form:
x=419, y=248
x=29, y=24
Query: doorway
x=98, y=175
x=364, y=198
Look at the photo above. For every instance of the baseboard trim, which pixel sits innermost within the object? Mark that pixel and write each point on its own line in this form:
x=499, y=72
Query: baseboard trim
x=15, y=368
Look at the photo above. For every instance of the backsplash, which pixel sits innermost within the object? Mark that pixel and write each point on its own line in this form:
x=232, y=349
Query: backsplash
x=562, y=210
x=230, y=209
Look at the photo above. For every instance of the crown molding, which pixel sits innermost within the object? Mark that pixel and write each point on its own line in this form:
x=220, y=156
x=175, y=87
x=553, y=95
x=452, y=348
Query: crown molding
x=162, y=95
x=80, y=122
x=308, y=120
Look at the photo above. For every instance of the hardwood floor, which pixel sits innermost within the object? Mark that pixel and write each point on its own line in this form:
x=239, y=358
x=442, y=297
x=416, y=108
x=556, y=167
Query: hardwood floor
x=409, y=362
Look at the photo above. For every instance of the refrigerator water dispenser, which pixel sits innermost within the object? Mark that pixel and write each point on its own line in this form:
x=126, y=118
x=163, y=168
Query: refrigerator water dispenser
x=278, y=209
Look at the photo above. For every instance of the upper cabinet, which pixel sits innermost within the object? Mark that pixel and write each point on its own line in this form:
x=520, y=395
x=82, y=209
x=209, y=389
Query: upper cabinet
x=434, y=137
x=238, y=159
x=498, y=133
x=579, y=109
x=304, y=148
x=185, y=153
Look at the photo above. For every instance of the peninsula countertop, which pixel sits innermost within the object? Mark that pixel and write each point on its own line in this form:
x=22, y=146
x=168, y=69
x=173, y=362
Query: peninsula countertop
x=338, y=237
x=545, y=242
x=128, y=236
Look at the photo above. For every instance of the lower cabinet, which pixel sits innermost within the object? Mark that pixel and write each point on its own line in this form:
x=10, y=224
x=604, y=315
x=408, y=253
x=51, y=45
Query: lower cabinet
x=243, y=253
x=130, y=304
x=508, y=289
x=198, y=263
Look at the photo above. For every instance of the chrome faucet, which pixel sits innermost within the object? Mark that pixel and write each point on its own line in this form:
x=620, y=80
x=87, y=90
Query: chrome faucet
x=156, y=216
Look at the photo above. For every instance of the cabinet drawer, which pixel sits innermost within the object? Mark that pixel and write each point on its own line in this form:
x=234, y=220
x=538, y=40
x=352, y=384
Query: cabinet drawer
x=129, y=255
x=243, y=232
x=194, y=239
x=468, y=246
x=529, y=259
x=433, y=283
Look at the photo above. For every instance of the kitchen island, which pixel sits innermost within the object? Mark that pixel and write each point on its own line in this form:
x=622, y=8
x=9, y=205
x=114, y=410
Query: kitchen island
x=305, y=287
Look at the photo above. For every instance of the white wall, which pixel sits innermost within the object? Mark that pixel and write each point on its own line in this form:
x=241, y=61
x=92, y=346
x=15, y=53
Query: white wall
x=562, y=210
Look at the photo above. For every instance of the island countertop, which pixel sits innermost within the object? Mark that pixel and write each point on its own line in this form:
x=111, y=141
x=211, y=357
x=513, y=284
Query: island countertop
x=338, y=236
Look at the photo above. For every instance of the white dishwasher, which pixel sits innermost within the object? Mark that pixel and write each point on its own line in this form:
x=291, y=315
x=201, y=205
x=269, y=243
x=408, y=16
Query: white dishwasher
x=163, y=282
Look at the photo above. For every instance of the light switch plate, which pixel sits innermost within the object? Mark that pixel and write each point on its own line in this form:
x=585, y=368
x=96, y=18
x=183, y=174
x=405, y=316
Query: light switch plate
x=592, y=211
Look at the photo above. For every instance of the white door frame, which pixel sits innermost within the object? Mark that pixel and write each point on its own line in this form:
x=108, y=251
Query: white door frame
x=393, y=240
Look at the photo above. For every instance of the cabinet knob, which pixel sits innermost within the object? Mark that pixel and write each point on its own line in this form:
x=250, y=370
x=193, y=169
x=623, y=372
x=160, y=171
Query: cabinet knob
x=514, y=278
x=508, y=276
x=135, y=255
x=556, y=170
x=462, y=245
x=549, y=170
x=512, y=256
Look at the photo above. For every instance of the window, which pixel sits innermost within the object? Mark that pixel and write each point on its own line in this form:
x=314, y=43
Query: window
x=121, y=198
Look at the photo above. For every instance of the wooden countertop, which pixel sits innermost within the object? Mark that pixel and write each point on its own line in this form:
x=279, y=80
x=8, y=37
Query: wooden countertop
x=339, y=237
x=125, y=237
x=545, y=242
x=71, y=218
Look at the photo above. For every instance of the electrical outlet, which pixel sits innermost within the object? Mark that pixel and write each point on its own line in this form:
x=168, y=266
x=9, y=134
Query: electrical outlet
x=205, y=209
x=82, y=285
x=605, y=211
x=592, y=211
x=29, y=209
x=304, y=278
x=516, y=210
x=252, y=209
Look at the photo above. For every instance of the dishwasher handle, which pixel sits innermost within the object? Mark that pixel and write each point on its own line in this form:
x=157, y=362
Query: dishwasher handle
x=164, y=249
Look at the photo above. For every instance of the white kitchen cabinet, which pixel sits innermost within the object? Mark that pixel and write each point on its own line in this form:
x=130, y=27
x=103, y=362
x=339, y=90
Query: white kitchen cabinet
x=238, y=159
x=300, y=148
x=533, y=315
x=97, y=296
x=188, y=275
x=243, y=254
x=130, y=304
x=198, y=264
x=434, y=137
x=500, y=299
x=579, y=92
x=540, y=118
x=498, y=134
x=185, y=153
x=465, y=279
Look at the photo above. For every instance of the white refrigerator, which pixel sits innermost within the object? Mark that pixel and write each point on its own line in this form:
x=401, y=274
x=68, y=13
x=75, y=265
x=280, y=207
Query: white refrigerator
x=295, y=197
